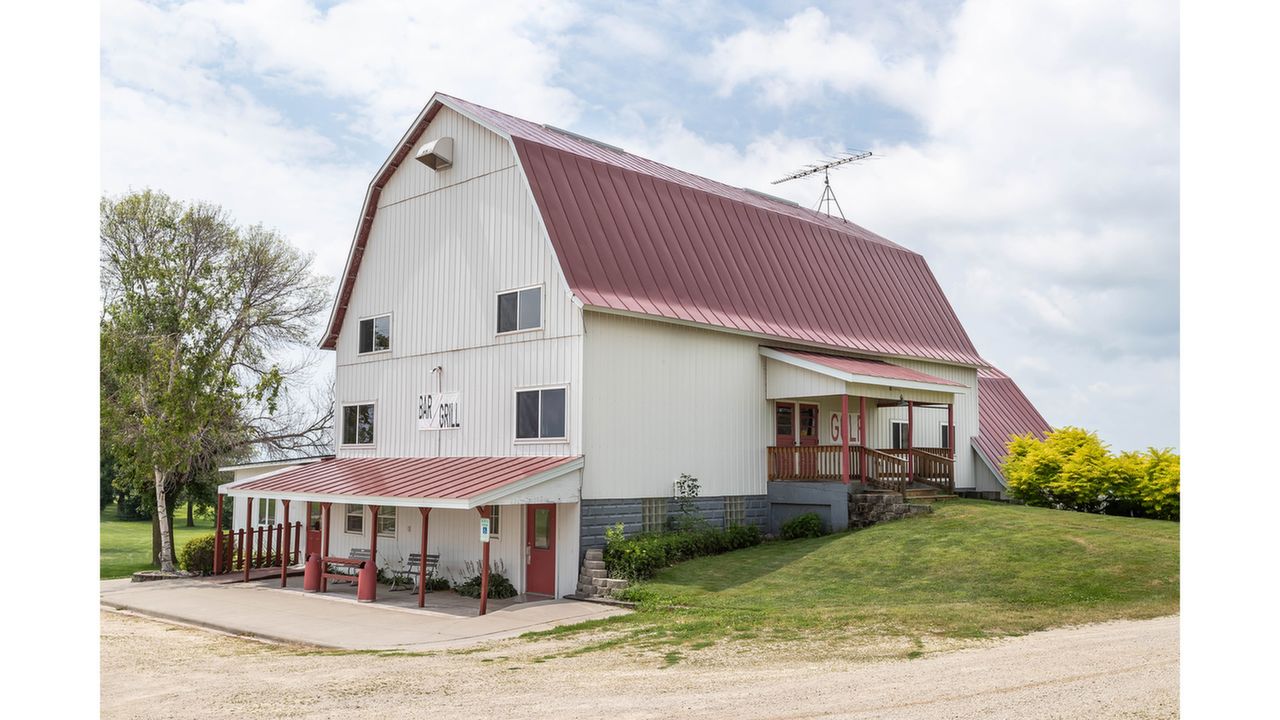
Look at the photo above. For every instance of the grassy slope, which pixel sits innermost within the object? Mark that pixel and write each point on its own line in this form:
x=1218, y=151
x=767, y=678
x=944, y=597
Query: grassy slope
x=971, y=569
x=125, y=545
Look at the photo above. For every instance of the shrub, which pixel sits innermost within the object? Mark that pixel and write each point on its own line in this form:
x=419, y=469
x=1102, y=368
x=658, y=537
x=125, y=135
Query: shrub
x=434, y=583
x=197, y=554
x=808, y=525
x=1071, y=469
x=639, y=557
x=499, y=586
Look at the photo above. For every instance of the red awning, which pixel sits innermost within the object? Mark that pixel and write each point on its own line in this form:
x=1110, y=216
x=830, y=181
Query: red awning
x=449, y=482
x=860, y=369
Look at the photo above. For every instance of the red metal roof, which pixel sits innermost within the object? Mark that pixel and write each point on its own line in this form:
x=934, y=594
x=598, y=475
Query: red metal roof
x=872, y=368
x=437, y=478
x=1003, y=410
x=638, y=236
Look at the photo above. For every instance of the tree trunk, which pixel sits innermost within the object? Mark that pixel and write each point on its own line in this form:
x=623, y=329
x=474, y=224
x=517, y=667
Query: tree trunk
x=162, y=516
x=191, y=517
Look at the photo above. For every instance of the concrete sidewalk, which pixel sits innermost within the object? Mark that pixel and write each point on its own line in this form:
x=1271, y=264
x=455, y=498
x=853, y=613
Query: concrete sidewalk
x=270, y=613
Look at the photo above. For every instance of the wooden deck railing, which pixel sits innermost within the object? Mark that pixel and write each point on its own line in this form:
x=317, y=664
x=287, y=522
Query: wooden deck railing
x=260, y=547
x=887, y=469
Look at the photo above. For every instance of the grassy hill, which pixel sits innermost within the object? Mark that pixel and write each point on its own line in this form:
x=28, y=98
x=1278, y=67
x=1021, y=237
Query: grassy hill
x=971, y=569
x=124, y=546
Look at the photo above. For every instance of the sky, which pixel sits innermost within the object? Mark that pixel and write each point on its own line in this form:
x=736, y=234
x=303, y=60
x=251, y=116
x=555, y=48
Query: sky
x=1028, y=150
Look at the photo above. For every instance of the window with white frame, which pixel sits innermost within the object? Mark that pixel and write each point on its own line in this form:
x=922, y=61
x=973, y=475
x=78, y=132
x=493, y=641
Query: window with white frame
x=653, y=515
x=520, y=310
x=266, y=512
x=355, y=519
x=946, y=436
x=735, y=510
x=899, y=434
x=357, y=424
x=540, y=414
x=495, y=517
x=375, y=334
x=386, y=520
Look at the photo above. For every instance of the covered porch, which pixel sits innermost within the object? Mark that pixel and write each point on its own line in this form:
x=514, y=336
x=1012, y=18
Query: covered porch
x=435, y=517
x=853, y=420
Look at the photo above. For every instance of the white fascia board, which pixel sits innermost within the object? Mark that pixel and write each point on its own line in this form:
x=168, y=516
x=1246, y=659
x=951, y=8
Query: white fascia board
x=849, y=377
x=270, y=463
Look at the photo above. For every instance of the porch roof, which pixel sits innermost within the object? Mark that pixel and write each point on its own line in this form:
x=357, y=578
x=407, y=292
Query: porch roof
x=862, y=370
x=443, y=482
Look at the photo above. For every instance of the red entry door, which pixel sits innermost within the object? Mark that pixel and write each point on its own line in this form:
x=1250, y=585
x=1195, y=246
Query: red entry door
x=313, y=529
x=808, y=427
x=540, y=550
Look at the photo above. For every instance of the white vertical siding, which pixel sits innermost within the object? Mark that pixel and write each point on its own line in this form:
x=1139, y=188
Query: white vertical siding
x=442, y=246
x=664, y=399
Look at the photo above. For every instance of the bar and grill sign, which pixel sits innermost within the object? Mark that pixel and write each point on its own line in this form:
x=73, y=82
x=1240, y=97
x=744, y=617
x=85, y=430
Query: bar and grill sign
x=438, y=411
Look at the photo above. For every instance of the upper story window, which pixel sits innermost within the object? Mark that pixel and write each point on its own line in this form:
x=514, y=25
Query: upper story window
x=520, y=310
x=357, y=424
x=540, y=414
x=375, y=334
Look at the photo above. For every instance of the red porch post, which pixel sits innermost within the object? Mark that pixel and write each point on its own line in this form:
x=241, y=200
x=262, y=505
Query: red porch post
x=844, y=438
x=324, y=544
x=284, y=548
x=373, y=551
x=862, y=437
x=217, y=544
x=248, y=534
x=484, y=566
x=422, y=559
x=911, y=459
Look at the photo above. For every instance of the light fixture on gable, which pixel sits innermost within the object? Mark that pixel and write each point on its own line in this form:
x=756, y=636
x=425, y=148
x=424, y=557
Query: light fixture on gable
x=437, y=154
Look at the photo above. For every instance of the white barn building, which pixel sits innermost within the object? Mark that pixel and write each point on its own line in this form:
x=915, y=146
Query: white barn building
x=548, y=330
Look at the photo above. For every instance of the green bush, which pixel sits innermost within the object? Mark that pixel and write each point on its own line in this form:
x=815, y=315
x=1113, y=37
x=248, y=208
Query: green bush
x=434, y=583
x=639, y=557
x=808, y=525
x=499, y=586
x=1072, y=469
x=197, y=554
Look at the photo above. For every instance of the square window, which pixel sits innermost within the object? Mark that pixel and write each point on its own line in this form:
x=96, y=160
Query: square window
x=357, y=424
x=355, y=519
x=540, y=414
x=375, y=334
x=653, y=515
x=735, y=511
x=520, y=310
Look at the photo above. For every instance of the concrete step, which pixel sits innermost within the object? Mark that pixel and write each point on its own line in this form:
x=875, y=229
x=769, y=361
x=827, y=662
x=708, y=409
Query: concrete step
x=593, y=564
x=595, y=554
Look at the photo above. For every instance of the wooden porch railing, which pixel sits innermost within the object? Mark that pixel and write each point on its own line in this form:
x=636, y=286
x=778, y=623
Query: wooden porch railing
x=260, y=547
x=887, y=469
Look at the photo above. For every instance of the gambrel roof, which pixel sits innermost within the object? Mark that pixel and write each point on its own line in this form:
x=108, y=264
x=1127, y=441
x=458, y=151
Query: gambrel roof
x=636, y=236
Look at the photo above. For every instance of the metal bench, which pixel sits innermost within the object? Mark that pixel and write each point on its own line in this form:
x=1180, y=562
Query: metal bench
x=415, y=559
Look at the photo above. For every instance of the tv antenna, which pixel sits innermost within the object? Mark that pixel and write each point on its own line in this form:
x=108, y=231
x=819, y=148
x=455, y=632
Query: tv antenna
x=828, y=195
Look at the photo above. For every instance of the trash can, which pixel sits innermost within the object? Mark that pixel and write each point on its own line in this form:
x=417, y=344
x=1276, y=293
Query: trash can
x=367, y=585
x=311, y=574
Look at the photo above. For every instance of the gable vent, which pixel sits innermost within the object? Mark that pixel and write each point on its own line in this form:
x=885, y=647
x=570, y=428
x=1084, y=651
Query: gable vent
x=437, y=154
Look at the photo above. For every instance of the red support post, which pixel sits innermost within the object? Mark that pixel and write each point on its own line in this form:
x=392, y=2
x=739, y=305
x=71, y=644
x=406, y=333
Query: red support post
x=373, y=557
x=862, y=437
x=844, y=438
x=911, y=458
x=268, y=559
x=324, y=545
x=284, y=547
x=297, y=541
x=484, y=567
x=239, y=548
x=217, y=543
x=248, y=535
x=422, y=559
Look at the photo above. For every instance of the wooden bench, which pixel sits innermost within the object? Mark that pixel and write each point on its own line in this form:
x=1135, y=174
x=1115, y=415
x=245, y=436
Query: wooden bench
x=359, y=556
x=415, y=559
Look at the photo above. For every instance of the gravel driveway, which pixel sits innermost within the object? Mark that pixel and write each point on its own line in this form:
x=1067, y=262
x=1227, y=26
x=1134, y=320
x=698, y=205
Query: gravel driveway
x=1123, y=669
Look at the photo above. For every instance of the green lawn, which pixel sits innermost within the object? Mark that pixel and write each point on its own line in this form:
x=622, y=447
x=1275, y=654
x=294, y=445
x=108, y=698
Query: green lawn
x=125, y=545
x=971, y=569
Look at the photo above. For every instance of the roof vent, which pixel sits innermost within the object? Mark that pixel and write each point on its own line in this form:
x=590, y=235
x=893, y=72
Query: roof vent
x=583, y=138
x=437, y=154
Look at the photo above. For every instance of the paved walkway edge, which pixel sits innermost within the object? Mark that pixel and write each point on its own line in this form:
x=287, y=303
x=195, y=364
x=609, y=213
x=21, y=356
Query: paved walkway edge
x=177, y=620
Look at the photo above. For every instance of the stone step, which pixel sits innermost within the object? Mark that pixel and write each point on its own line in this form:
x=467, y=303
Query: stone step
x=595, y=554
x=593, y=564
x=598, y=573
